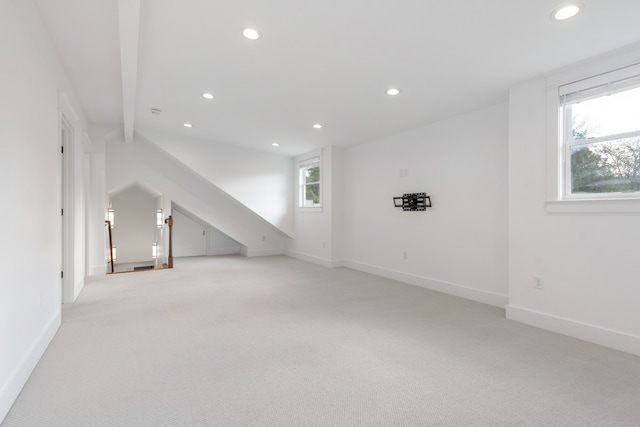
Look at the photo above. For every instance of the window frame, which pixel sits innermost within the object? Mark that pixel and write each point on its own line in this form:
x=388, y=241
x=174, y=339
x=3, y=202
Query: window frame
x=625, y=62
x=595, y=87
x=303, y=163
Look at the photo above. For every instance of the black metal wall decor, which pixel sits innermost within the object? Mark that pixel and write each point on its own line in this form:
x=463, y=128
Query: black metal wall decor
x=413, y=202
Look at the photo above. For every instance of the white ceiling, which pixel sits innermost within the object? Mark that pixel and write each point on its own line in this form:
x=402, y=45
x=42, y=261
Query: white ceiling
x=327, y=61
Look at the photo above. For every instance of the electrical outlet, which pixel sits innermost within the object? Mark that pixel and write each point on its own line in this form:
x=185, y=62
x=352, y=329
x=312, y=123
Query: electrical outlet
x=405, y=255
x=538, y=283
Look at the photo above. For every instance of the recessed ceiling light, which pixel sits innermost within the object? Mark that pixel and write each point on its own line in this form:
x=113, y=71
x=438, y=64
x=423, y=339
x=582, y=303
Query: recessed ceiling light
x=567, y=11
x=393, y=91
x=188, y=125
x=275, y=144
x=317, y=126
x=251, y=34
x=207, y=95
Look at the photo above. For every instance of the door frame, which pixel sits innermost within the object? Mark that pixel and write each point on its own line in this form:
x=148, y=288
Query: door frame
x=67, y=133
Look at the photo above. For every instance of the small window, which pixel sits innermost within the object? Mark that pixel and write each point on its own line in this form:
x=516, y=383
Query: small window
x=310, y=186
x=601, y=137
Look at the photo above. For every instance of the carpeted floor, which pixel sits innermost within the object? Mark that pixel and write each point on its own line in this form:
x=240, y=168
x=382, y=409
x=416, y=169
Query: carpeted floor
x=273, y=341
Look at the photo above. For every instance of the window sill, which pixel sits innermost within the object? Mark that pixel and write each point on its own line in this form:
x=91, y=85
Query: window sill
x=310, y=210
x=594, y=206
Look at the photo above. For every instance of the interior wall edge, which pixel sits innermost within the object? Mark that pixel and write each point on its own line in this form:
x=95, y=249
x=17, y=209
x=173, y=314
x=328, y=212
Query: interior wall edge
x=10, y=391
x=572, y=328
x=477, y=295
x=97, y=270
x=310, y=258
x=78, y=287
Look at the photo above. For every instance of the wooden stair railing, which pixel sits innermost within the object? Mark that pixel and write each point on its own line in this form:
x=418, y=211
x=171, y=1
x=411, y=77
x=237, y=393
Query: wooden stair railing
x=169, y=222
x=110, y=244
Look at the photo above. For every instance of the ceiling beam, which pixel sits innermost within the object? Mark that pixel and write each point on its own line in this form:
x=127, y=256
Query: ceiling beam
x=129, y=21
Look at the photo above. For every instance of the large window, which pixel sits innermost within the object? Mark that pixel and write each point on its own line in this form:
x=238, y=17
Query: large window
x=601, y=136
x=310, y=184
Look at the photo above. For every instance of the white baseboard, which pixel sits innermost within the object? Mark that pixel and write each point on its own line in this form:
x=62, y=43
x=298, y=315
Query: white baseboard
x=485, y=297
x=264, y=252
x=312, y=259
x=225, y=251
x=337, y=263
x=594, y=334
x=10, y=391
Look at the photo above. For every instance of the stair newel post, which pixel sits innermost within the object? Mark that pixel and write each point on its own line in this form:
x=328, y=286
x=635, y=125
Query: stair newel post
x=169, y=222
x=110, y=244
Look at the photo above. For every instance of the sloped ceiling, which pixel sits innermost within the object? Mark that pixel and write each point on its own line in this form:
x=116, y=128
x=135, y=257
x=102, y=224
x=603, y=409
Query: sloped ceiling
x=327, y=62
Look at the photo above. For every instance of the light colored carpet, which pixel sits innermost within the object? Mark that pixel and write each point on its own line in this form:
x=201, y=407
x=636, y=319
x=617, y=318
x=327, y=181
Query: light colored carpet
x=234, y=341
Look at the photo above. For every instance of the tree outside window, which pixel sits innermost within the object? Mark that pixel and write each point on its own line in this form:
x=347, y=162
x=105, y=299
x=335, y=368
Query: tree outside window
x=310, y=183
x=603, y=140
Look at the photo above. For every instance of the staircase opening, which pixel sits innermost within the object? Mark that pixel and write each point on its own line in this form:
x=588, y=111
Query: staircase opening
x=137, y=241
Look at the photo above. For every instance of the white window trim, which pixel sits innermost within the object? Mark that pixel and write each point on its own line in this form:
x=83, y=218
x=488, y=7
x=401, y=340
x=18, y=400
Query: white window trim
x=569, y=142
x=556, y=201
x=301, y=161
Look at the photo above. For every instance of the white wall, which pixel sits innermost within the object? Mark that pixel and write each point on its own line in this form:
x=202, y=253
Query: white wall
x=31, y=82
x=318, y=233
x=219, y=243
x=337, y=204
x=189, y=236
x=194, y=237
x=74, y=202
x=261, y=181
x=588, y=260
x=96, y=196
x=134, y=230
x=458, y=246
x=145, y=163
